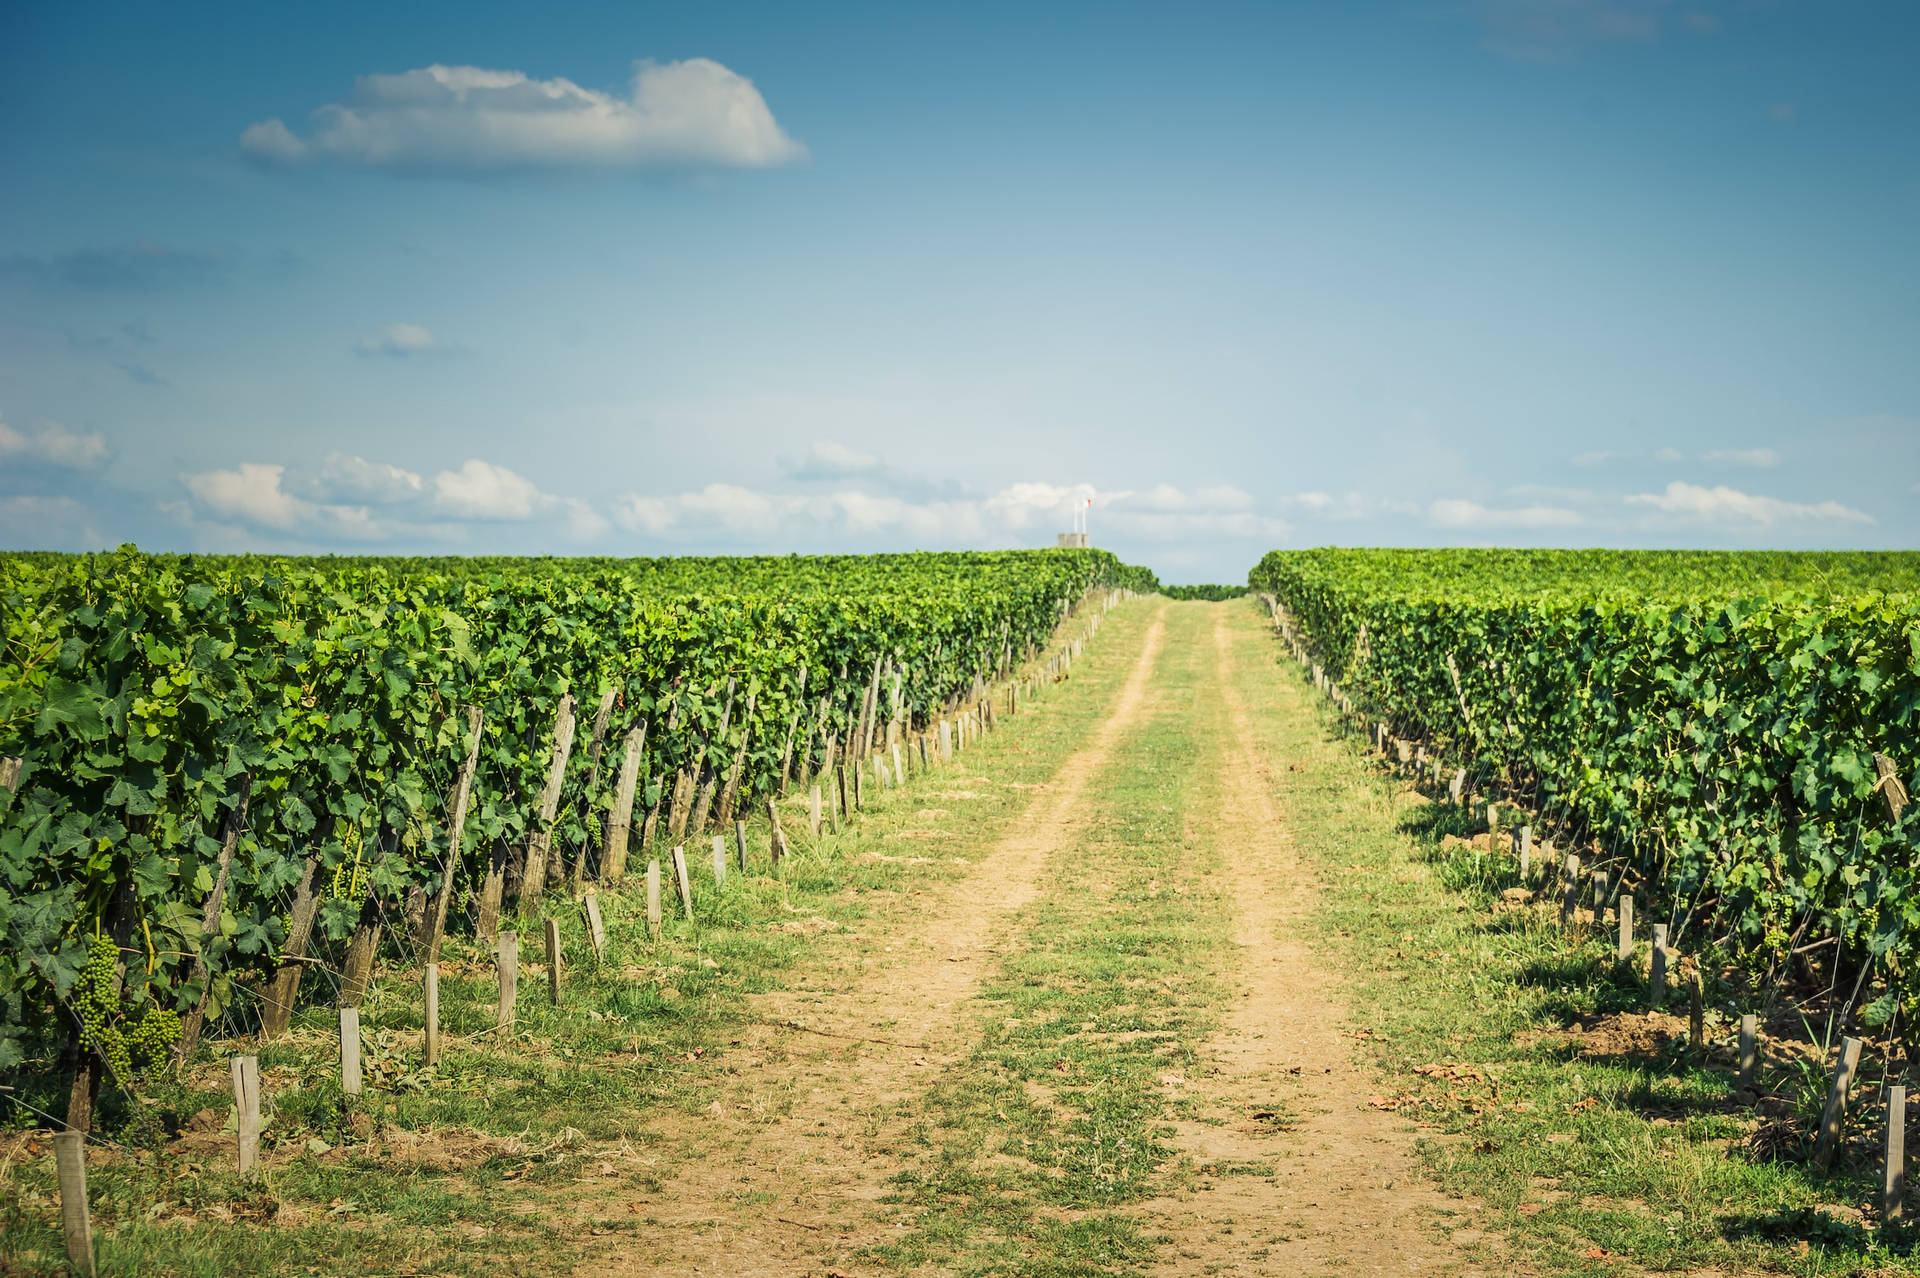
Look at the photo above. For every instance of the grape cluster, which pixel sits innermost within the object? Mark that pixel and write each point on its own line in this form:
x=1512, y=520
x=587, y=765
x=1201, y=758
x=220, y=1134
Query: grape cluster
x=147, y=1040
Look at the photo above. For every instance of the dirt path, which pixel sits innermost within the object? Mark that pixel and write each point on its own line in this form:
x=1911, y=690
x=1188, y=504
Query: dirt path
x=1346, y=1196
x=782, y=1176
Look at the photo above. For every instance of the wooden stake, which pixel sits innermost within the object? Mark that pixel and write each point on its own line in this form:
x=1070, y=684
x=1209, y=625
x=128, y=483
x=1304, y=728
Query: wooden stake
x=533, y=877
x=813, y=811
x=554, y=962
x=1493, y=821
x=596, y=927
x=1893, y=1181
x=433, y=1014
x=246, y=1108
x=1696, y=1011
x=210, y=921
x=1457, y=786
x=350, y=1050
x=1657, y=970
x=680, y=878
x=653, y=897
x=1526, y=853
x=1626, y=928
x=776, y=836
x=899, y=769
x=76, y=1222
x=1834, y=1118
x=620, y=820
x=456, y=834
x=1570, y=898
x=1888, y=784
x=740, y=843
x=719, y=861
x=1749, y=1049
x=508, y=961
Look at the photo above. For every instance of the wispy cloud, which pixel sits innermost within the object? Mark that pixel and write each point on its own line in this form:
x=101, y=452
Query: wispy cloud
x=52, y=444
x=1459, y=513
x=692, y=113
x=400, y=341
x=1731, y=507
x=124, y=268
x=1756, y=458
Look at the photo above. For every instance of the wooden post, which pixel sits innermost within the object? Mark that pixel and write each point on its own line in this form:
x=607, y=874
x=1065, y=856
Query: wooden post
x=1657, y=970
x=456, y=834
x=841, y=809
x=813, y=811
x=1888, y=784
x=596, y=927
x=196, y=1017
x=1526, y=853
x=1834, y=1118
x=899, y=769
x=433, y=1015
x=1570, y=898
x=533, y=878
x=1457, y=786
x=740, y=843
x=276, y=1011
x=653, y=897
x=1893, y=1181
x=509, y=964
x=1749, y=1049
x=946, y=742
x=76, y=1222
x=1696, y=1010
x=554, y=974
x=246, y=1109
x=680, y=878
x=350, y=1050
x=776, y=837
x=1626, y=928
x=719, y=861
x=1493, y=821
x=620, y=820
x=1599, y=878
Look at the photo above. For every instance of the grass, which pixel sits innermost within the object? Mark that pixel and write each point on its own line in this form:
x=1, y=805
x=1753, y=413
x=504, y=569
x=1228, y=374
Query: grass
x=1032, y=1147
x=512, y=1120
x=1617, y=1164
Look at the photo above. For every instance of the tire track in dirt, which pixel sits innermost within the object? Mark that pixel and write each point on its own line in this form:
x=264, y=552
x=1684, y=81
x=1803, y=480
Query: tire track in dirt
x=785, y=1173
x=1346, y=1195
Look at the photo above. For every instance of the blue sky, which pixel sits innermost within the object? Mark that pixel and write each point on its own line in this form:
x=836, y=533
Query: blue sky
x=651, y=279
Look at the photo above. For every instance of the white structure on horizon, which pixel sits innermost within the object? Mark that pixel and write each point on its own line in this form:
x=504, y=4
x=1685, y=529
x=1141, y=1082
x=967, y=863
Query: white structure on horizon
x=1077, y=539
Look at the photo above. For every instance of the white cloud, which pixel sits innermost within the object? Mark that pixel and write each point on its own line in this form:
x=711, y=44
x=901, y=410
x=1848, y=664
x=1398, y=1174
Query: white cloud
x=54, y=445
x=400, y=341
x=1459, y=513
x=339, y=501
x=1758, y=458
x=1669, y=455
x=828, y=460
x=1723, y=505
x=482, y=490
x=345, y=478
x=253, y=494
x=695, y=112
x=1028, y=512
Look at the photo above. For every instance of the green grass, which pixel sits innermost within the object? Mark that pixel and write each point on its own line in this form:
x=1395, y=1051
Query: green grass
x=1614, y=1165
x=1033, y=1146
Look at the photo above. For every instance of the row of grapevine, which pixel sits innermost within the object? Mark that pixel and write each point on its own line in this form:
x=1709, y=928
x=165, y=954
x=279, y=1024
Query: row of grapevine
x=1710, y=722
x=215, y=764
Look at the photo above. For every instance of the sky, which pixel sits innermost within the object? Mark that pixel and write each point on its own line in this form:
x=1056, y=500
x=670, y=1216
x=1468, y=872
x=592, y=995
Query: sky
x=656, y=279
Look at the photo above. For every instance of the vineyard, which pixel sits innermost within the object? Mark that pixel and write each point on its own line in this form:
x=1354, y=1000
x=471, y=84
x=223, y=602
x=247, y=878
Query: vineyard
x=224, y=775
x=1729, y=736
